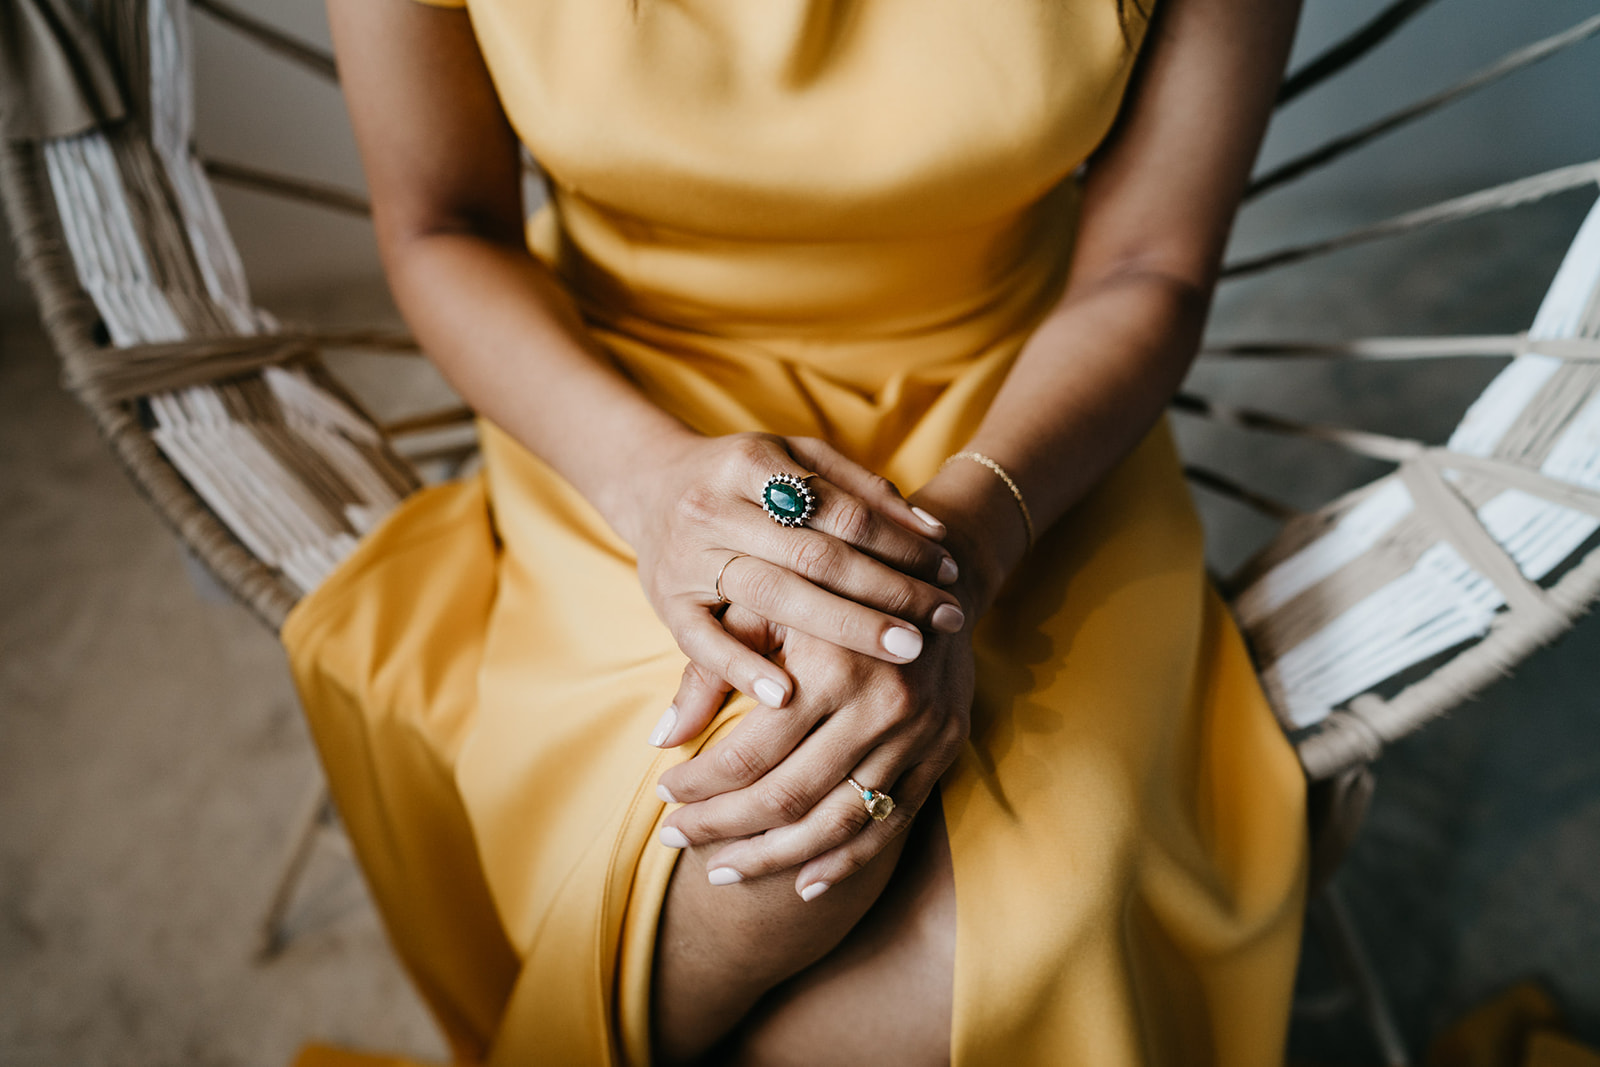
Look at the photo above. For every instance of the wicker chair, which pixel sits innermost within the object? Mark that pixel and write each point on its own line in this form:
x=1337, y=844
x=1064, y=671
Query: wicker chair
x=1368, y=616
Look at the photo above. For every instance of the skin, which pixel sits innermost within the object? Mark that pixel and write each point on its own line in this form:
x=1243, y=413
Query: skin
x=751, y=971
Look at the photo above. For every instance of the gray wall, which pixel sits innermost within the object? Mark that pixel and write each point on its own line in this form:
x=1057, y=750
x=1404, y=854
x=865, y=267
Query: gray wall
x=256, y=109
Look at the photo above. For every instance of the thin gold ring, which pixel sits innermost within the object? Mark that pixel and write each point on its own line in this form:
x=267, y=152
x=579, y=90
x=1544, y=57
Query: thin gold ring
x=722, y=597
x=878, y=803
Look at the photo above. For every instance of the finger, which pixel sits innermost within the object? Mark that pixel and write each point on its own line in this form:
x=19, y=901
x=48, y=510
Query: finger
x=835, y=567
x=700, y=695
x=779, y=594
x=706, y=643
x=838, y=819
x=828, y=869
x=853, y=520
x=832, y=508
x=785, y=794
x=879, y=492
x=761, y=740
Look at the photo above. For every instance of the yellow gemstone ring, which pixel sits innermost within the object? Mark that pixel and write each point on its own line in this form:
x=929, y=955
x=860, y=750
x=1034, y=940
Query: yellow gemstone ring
x=879, y=804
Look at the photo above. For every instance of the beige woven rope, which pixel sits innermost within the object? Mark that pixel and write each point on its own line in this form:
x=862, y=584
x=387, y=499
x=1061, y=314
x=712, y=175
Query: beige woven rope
x=265, y=467
x=1497, y=198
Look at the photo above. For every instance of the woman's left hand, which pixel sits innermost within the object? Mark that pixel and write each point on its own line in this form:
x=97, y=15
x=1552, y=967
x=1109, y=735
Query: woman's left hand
x=775, y=788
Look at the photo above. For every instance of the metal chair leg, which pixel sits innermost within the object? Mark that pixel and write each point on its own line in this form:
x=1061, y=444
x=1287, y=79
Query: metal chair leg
x=316, y=812
x=1337, y=929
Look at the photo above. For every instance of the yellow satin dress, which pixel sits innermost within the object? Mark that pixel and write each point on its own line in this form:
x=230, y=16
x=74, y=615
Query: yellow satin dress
x=836, y=218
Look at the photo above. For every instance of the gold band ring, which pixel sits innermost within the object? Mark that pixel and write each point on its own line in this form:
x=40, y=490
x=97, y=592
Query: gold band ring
x=721, y=596
x=879, y=804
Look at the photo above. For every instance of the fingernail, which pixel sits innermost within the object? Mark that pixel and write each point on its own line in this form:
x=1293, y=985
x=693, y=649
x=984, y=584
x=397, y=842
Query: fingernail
x=928, y=520
x=947, y=618
x=673, y=837
x=813, y=891
x=723, y=876
x=901, y=642
x=769, y=693
x=665, y=794
x=948, y=571
x=669, y=719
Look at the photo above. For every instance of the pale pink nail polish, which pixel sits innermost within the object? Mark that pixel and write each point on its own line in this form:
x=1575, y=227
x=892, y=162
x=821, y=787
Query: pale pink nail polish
x=813, y=891
x=947, y=618
x=928, y=520
x=723, y=876
x=948, y=571
x=902, y=643
x=769, y=692
x=665, y=794
x=669, y=719
x=673, y=837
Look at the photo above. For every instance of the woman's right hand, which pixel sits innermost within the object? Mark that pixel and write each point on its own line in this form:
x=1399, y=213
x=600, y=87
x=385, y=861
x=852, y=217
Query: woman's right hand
x=864, y=573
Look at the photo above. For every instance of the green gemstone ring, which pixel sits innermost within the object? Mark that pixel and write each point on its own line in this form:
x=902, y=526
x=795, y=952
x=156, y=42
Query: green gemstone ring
x=788, y=500
x=879, y=804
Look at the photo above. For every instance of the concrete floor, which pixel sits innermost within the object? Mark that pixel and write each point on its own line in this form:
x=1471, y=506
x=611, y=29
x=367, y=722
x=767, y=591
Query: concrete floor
x=152, y=756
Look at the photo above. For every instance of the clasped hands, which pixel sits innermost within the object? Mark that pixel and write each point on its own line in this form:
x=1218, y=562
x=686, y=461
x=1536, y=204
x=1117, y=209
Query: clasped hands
x=851, y=633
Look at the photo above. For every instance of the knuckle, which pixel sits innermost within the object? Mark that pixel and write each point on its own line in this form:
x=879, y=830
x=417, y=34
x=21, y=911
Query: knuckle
x=698, y=504
x=947, y=748
x=837, y=622
x=903, y=599
x=896, y=704
x=835, y=673
x=851, y=520
x=784, y=801
x=881, y=485
x=816, y=558
x=751, y=450
x=844, y=821
x=763, y=589
x=852, y=861
x=729, y=663
x=737, y=763
x=695, y=674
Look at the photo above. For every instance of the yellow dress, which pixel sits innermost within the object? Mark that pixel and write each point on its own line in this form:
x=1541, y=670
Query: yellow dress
x=833, y=218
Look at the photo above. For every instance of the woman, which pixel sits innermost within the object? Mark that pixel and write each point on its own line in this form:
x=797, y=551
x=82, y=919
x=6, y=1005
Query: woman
x=810, y=245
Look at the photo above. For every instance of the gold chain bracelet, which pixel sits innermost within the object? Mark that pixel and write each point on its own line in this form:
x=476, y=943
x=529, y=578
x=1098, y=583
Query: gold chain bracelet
x=1000, y=472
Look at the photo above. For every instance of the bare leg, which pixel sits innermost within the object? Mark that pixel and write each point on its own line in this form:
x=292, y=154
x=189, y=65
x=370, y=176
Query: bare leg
x=885, y=994
x=721, y=949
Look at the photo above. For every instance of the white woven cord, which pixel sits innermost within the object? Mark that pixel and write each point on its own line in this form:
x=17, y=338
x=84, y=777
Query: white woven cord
x=1533, y=434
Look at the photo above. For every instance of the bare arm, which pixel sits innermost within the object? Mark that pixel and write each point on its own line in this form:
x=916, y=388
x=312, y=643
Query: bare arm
x=443, y=168
x=1158, y=204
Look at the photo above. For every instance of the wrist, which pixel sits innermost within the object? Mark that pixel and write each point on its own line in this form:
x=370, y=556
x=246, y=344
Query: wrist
x=986, y=535
x=627, y=494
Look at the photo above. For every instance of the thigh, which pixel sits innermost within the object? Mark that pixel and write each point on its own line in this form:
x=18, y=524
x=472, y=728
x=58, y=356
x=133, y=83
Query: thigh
x=719, y=949
x=884, y=994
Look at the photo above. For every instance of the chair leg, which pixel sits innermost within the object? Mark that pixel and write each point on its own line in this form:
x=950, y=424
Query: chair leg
x=315, y=813
x=1338, y=932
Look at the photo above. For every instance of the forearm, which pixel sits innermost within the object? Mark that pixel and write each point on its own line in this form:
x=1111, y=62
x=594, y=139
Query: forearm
x=1086, y=388
x=508, y=338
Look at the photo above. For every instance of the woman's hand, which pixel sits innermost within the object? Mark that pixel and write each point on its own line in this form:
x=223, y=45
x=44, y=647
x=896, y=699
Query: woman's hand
x=863, y=574
x=775, y=788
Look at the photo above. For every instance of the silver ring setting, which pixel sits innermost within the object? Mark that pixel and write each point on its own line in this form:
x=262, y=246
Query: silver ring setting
x=788, y=500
